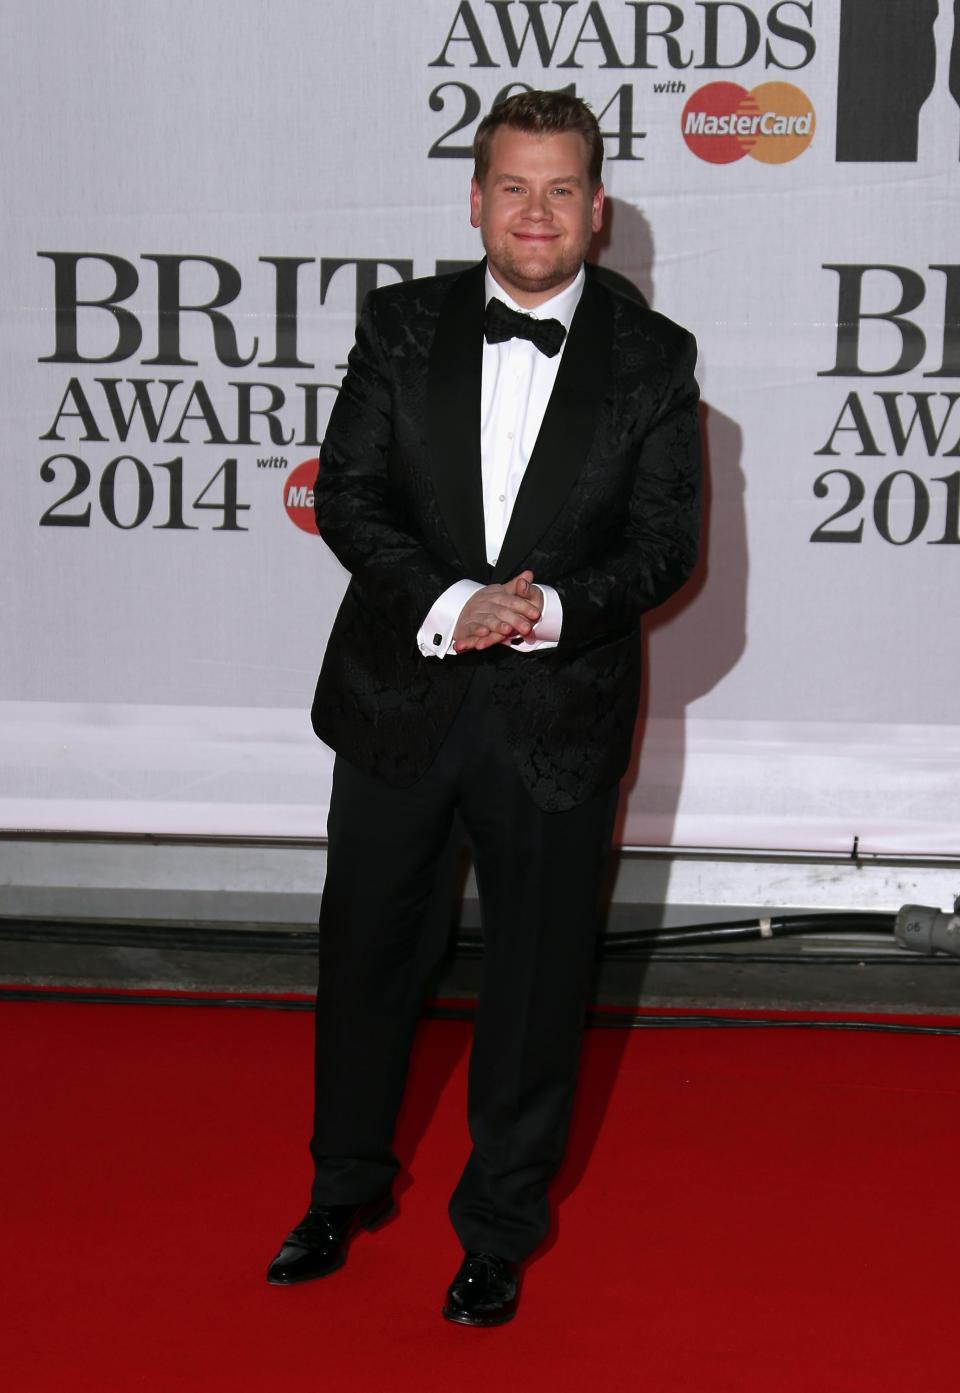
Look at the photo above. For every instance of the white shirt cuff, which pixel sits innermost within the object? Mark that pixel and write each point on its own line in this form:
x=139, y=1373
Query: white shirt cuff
x=547, y=632
x=435, y=637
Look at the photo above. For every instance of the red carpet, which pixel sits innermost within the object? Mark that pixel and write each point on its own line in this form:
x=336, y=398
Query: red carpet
x=751, y=1209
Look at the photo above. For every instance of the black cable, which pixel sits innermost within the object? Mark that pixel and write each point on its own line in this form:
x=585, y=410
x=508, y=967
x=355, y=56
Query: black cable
x=192, y=937
x=887, y=957
x=741, y=930
x=644, y=942
x=301, y=940
x=598, y=1018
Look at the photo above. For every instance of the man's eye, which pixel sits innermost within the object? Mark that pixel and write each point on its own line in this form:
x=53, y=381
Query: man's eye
x=560, y=189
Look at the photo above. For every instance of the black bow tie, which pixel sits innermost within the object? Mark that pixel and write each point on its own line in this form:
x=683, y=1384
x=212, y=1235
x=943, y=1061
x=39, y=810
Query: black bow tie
x=502, y=323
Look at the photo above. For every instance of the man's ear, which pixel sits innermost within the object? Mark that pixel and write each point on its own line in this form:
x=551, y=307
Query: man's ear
x=476, y=202
x=597, y=209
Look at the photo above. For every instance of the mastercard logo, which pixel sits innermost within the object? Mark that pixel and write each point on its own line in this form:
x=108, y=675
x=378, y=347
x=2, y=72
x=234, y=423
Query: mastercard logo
x=298, y=495
x=774, y=123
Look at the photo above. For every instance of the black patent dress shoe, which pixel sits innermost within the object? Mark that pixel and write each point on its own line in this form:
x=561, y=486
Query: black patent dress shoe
x=318, y=1245
x=484, y=1291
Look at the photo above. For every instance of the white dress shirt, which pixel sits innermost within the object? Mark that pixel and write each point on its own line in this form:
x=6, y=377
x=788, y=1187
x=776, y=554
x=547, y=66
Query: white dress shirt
x=516, y=383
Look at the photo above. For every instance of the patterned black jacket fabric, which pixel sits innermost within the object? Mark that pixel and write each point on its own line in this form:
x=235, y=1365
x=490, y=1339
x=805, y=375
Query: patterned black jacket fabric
x=608, y=514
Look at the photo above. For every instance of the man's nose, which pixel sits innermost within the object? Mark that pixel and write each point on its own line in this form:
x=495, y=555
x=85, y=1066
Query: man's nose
x=538, y=207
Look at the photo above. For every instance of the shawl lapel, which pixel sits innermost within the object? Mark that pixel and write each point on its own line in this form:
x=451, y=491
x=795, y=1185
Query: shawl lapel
x=453, y=418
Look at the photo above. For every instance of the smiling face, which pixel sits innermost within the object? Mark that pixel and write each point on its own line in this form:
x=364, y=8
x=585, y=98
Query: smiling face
x=536, y=211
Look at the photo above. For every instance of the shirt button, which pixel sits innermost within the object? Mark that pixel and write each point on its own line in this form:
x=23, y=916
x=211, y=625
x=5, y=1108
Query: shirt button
x=509, y=434
x=503, y=498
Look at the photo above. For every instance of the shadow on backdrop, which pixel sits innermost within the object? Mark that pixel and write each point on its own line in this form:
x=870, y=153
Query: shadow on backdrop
x=697, y=637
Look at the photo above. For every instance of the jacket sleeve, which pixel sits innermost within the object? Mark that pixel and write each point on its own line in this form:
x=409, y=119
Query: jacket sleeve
x=394, y=576
x=658, y=547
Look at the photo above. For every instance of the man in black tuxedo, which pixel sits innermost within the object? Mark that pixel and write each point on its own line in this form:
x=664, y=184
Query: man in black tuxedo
x=511, y=475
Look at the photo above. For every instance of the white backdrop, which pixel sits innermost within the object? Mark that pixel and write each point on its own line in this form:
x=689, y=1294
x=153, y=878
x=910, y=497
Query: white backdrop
x=165, y=615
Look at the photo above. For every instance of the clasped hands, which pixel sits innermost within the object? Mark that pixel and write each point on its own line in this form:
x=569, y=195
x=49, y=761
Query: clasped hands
x=499, y=614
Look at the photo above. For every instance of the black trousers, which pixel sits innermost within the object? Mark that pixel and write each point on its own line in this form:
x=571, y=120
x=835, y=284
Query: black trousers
x=539, y=876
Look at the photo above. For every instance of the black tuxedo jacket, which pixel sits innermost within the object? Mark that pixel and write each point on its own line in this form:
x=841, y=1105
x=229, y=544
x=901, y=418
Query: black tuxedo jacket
x=607, y=513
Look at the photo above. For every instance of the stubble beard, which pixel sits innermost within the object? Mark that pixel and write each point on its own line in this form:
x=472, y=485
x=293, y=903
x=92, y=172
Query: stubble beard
x=531, y=274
